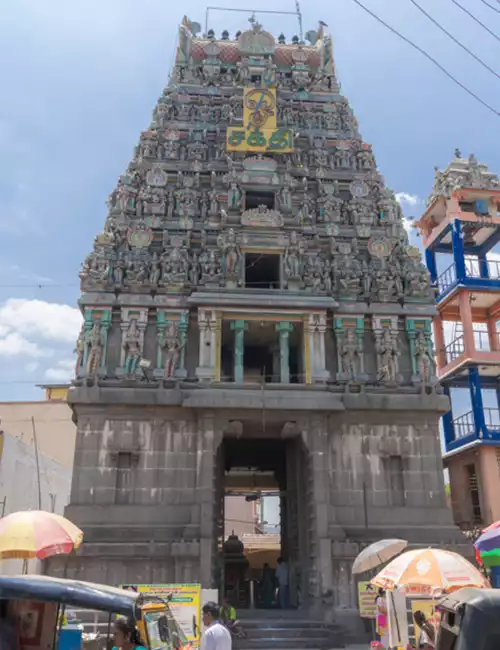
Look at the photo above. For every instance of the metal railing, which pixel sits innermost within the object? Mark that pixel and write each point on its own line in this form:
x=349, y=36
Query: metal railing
x=472, y=270
x=447, y=278
x=481, y=340
x=454, y=349
x=464, y=425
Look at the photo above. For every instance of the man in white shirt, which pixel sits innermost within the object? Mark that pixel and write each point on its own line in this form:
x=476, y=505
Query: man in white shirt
x=216, y=636
x=282, y=578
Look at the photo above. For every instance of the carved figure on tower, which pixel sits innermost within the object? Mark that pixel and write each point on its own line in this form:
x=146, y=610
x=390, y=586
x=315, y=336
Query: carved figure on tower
x=132, y=346
x=95, y=345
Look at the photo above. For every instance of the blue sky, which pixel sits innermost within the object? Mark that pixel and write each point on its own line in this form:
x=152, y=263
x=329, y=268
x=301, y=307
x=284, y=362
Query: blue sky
x=80, y=80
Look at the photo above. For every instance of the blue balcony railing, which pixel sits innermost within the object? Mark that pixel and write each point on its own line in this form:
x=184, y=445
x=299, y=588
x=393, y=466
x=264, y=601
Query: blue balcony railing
x=455, y=349
x=464, y=425
x=472, y=270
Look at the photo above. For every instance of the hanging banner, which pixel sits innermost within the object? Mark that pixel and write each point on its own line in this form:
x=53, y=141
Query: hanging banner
x=367, y=593
x=185, y=605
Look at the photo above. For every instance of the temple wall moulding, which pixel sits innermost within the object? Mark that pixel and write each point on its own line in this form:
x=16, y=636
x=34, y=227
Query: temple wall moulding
x=172, y=327
x=315, y=325
x=92, y=343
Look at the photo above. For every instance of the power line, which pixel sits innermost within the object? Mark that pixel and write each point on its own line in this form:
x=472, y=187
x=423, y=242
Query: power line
x=428, y=56
x=455, y=40
x=490, y=6
x=476, y=19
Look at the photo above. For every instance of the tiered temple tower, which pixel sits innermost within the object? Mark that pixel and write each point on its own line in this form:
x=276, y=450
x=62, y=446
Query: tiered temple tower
x=460, y=227
x=253, y=302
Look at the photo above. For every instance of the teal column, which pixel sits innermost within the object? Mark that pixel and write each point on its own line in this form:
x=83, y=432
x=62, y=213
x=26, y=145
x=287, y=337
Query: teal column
x=238, y=326
x=284, y=330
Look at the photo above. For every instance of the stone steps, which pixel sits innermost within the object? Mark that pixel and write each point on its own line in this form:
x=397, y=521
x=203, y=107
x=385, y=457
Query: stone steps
x=283, y=632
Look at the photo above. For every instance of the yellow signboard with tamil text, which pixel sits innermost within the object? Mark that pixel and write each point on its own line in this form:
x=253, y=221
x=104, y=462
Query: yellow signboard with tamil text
x=259, y=131
x=367, y=594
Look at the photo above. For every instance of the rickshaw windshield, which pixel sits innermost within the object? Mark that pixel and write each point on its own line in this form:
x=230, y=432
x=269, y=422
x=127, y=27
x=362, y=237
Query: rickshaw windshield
x=177, y=638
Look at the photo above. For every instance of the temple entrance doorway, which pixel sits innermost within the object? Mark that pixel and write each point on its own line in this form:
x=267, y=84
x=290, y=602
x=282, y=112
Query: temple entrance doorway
x=264, y=493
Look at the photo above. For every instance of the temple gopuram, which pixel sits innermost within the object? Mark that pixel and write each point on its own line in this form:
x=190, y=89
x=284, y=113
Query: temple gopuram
x=253, y=302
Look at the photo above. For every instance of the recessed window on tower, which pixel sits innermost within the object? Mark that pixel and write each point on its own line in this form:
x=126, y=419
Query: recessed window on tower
x=254, y=199
x=262, y=271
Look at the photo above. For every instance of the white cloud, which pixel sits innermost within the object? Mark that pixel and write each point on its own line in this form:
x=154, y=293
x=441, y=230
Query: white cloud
x=14, y=344
x=40, y=319
x=408, y=199
x=408, y=202
x=64, y=370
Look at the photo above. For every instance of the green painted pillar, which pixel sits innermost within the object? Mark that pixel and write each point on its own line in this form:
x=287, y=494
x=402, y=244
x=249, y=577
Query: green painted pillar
x=284, y=330
x=238, y=326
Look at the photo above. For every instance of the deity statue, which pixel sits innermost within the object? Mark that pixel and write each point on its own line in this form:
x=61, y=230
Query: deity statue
x=214, y=202
x=155, y=271
x=95, y=345
x=79, y=350
x=423, y=357
x=132, y=346
x=293, y=257
x=234, y=196
x=388, y=352
x=171, y=343
x=230, y=251
x=349, y=354
x=285, y=199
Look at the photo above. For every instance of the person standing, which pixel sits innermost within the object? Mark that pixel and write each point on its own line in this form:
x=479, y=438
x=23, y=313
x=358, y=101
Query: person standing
x=283, y=582
x=216, y=635
x=381, y=620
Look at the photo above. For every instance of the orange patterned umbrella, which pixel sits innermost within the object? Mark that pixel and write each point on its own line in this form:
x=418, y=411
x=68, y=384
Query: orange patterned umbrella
x=36, y=533
x=434, y=568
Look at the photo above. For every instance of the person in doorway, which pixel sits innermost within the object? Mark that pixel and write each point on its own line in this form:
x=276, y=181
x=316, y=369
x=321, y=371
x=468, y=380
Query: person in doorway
x=427, y=637
x=381, y=618
x=267, y=586
x=216, y=635
x=227, y=616
x=282, y=576
x=127, y=636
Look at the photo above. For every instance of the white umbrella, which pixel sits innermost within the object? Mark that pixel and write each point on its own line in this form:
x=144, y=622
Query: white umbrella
x=377, y=553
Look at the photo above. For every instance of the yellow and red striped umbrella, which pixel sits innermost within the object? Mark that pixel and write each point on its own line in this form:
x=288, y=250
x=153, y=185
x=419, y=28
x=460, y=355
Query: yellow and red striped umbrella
x=36, y=533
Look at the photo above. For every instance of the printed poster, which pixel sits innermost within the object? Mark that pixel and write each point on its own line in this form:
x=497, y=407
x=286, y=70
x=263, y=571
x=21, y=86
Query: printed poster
x=367, y=593
x=185, y=605
x=428, y=607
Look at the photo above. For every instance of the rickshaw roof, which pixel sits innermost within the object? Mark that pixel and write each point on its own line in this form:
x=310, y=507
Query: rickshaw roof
x=485, y=600
x=85, y=595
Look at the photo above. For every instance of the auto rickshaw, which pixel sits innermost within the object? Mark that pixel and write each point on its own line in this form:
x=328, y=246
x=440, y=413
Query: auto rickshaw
x=470, y=620
x=32, y=611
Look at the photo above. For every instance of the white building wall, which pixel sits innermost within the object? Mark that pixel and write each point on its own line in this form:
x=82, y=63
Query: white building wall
x=19, y=487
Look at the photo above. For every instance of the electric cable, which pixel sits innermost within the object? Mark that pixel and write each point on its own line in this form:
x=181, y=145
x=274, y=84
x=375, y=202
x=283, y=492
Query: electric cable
x=455, y=40
x=428, y=56
x=476, y=19
x=490, y=6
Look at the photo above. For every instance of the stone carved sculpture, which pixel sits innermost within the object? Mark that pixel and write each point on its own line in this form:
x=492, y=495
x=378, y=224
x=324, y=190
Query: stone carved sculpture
x=170, y=341
x=387, y=350
x=423, y=358
x=79, y=350
x=95, y=346
x=293, y=258
x=350, y=355
x=231, y=254
x=132, y=347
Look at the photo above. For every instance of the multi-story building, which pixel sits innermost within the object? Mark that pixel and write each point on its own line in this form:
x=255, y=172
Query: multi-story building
x=460, y=228
x=253, y=303
x=37, y=445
